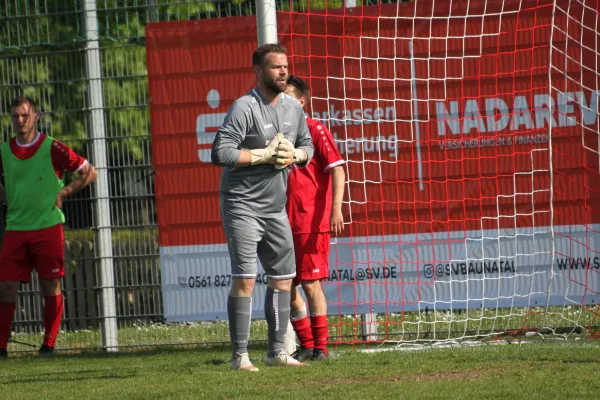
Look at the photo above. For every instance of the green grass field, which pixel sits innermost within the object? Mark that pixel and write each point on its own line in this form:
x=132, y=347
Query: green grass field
x=539, y=370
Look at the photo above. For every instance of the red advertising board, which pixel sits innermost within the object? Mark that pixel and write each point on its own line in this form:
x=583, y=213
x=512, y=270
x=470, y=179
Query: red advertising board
x=451, y=119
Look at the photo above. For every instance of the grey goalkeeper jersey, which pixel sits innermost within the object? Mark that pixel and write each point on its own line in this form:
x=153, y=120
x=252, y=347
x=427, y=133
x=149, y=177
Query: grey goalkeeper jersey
x=251, y=123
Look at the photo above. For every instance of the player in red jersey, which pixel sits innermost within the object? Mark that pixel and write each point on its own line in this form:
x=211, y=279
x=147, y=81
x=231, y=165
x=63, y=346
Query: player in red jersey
x=314, y=206
x=32, y=165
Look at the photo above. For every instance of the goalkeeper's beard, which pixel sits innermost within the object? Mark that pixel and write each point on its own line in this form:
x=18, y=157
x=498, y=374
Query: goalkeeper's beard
x=274, y=85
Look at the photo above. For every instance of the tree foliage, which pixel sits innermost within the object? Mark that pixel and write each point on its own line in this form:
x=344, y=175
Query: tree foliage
x=42, y=55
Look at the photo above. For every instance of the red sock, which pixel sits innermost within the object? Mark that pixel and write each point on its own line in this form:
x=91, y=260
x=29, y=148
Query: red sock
x=320, y=331
x=7, y=312
x=304, y=333
x=53, y=309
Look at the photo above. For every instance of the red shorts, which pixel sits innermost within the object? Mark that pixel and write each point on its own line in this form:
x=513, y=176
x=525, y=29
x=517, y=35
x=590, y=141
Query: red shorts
x=312, y=256
x=42, y=249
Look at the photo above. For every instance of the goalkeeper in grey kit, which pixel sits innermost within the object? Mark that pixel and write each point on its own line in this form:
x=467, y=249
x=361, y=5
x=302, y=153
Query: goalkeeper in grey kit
x=263, y=133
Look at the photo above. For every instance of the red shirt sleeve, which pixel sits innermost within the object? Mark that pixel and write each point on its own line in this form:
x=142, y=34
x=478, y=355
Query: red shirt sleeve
x=65, y=159
x=325, y=147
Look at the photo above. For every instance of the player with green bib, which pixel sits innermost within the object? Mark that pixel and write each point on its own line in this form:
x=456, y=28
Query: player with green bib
x=33, y=166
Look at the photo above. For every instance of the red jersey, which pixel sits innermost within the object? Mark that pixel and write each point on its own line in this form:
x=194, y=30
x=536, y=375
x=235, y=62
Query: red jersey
x=63, y=158
x=309, y=189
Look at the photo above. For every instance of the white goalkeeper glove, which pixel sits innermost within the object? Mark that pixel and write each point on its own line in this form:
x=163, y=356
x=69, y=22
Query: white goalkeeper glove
x=287, y=154
x=266, y=155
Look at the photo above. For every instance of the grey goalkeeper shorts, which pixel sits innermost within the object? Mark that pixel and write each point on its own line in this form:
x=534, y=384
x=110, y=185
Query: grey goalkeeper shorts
x=270, y=238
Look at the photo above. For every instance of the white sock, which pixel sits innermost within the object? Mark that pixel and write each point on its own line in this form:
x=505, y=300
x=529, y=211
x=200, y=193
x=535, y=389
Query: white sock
x=296, y=315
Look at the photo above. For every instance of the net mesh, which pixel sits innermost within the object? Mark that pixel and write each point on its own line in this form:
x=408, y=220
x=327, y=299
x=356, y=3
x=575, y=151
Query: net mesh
x=470, y=133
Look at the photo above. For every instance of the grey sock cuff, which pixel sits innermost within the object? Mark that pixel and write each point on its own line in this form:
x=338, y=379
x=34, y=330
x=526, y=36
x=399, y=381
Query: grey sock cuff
x=240, y=303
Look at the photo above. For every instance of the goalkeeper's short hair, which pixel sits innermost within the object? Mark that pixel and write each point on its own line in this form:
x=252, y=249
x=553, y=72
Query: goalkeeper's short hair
x=259, y=55
x=300, y=87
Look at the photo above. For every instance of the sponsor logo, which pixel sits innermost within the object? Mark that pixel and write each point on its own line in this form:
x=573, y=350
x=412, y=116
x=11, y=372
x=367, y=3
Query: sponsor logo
x=534, y=111
x=207, y=126
x=358, y=116
x=468, y=268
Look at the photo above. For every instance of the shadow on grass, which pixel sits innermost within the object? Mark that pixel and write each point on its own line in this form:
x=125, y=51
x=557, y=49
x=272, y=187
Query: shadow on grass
x=561, y=361
x=144, y=352
x=580, y=361
x=214, y=361
x=61, y=376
